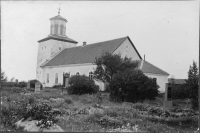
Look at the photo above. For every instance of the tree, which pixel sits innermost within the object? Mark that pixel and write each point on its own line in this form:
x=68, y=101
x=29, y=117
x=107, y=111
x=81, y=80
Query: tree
x=109, y=64
x=12, y=79
x=193, y=84
x=3, y=77
x=132, y=85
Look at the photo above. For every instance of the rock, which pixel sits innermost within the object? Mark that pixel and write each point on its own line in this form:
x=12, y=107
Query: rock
x=57, y=100
x=27, y=94
x=31, y=126
x=93, y=110
x=104, y=107
x=54, y=128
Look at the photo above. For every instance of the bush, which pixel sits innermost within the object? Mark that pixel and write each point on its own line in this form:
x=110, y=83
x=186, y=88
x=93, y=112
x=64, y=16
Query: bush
x=12, y=111
x=14, y=84
x=22, y=84
x=139, y=106
x=132, y=86
x=180, y=92
x=43, y=113
x=16, y=90
x=9, y=84
x=80, y=84
x=57, y=86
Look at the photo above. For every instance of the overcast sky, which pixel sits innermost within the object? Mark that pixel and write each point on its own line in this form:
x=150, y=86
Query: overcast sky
x=167, y=32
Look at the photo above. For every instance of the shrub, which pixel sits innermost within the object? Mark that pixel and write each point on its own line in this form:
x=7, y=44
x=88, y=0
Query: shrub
x=68, y=101
x=9, y=84
x=132, y=86
x=180, y=92
x=22, y=84
x=80, y=84
x=43, y=113
x=57, y=86
x=139, y=106
x=12, y=111
x=16, y=90
x=14, y=84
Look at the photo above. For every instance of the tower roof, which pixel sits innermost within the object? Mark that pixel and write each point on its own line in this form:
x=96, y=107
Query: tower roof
x=58, y=17
x=60, y=38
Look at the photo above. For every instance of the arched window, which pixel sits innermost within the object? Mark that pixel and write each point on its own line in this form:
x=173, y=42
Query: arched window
x=64, y=31
x=51, y=29
x=91, y=75
x=61, y=29
x=56, y=29
x=47, y=78
x=77, y=73
x=56, y=78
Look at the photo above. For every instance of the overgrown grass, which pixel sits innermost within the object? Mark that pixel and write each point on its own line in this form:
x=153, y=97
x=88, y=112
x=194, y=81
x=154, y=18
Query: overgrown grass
x=117, y=115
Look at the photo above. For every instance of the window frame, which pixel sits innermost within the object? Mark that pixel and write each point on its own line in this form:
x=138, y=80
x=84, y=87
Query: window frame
x=56, y=29
x=47, y=77
x=155, y=80
x=56, y=78
x=91, y=75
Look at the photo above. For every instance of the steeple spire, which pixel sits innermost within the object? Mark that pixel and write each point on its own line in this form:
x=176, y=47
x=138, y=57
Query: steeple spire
x=59, y=11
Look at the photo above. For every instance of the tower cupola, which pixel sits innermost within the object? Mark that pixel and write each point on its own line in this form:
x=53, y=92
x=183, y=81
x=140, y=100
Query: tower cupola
x=58, y=25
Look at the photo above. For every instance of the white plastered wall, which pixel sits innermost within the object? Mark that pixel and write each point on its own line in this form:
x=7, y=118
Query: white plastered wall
x=161, y=80
x=59, y=22
x=126, y=49
x=83, y=69
x=47, y=50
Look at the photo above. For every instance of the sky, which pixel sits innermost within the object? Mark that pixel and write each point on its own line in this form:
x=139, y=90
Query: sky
x=166, y=32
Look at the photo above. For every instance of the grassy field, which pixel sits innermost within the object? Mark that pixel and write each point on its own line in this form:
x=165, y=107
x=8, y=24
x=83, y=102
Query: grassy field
x=115, y=116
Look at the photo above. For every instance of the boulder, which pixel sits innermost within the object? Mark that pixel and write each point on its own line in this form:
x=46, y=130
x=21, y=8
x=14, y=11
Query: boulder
x=57, y=100
x=31, y=126
x=92, y=110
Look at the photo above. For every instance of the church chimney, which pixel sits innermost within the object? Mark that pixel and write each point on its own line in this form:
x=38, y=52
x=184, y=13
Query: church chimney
x=84, y=43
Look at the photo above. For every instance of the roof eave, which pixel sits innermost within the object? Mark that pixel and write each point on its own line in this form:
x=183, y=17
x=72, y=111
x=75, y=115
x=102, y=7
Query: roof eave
x=59, y=39
x=134, y=47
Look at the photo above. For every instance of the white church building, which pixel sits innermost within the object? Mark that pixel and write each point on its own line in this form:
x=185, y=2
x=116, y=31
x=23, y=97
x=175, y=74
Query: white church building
x=58, y=54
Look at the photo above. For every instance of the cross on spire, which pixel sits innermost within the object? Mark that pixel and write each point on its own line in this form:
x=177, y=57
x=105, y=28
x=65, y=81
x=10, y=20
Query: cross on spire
x=59, y=11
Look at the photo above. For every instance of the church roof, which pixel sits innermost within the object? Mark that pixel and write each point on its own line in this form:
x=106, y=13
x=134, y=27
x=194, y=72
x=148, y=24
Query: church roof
x=58, y=17
x=147, y=67
x=60, y=38
x=87, y=53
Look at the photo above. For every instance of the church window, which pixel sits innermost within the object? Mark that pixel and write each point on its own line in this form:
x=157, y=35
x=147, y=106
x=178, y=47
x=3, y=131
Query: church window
x=61, y=30
x=56, y=29
x=51, y=29
x=59, y=48
x=77, y=73
x=154, y=80
x=91, y=75
x=64, y=31
x=56, y=78
x=47, y=78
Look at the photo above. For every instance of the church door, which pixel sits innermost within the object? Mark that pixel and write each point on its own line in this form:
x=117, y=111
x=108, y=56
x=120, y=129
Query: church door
x=66, y=79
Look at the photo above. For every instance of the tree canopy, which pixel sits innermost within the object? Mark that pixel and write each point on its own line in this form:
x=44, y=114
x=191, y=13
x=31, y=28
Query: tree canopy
x=3, y=76
x=109, y=64
x=192, y=83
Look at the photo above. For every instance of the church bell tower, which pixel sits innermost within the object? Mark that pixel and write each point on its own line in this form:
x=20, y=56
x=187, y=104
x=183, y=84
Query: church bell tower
x=53, y=44
x=58, y=25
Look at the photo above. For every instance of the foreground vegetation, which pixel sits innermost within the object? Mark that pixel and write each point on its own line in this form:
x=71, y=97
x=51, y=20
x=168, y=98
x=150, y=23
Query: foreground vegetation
x=72, y=115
